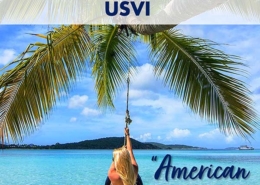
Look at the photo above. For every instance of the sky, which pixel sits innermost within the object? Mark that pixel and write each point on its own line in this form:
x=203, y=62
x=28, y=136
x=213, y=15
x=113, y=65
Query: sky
x=158, y=115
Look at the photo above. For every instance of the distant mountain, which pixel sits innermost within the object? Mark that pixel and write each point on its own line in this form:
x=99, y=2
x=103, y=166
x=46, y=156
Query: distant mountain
x=175, y=147
x=104, y=143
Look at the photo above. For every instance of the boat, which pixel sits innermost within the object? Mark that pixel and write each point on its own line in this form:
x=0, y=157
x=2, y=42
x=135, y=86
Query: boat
x=245, y=147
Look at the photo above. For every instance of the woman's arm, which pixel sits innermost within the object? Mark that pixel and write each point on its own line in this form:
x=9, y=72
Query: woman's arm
x=129, y=147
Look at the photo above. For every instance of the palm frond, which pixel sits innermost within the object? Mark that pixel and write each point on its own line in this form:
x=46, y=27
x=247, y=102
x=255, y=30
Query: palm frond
x=111, y=57
x=30, y=90
x=202, y=76
x=33, y=11
x=249, y=9
x=17, y=11
x=149, y=39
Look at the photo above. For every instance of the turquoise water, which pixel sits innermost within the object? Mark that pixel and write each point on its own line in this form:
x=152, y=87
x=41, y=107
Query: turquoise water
x=89, y=167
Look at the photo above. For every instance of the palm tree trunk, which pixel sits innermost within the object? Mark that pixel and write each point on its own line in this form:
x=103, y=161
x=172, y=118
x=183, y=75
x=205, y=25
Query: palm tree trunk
x=176, y=11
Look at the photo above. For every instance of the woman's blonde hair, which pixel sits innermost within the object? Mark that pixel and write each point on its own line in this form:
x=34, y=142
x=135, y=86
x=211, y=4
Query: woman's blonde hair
x=124, y=166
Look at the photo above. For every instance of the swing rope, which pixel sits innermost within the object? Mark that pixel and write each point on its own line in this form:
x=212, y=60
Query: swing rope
x=127, y=117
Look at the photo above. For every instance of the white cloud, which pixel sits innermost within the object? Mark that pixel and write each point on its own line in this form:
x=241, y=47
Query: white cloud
x=216, y=134
x=73, y=119
x=210, y=135
x=178, y=133
x=90, y=112
x=159, y=137
x=145, y=137
x=135, y=94
x=229, y=139
x=169, y=106
x=145, y=79
x=77, y=101
x=6, y=56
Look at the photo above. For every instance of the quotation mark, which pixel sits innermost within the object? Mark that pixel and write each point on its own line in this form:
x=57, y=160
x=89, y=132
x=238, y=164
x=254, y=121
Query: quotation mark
x=154, y=158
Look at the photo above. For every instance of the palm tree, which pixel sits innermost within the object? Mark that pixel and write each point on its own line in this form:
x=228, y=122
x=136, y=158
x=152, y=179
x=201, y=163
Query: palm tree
x=197, y=72
x=200, y=74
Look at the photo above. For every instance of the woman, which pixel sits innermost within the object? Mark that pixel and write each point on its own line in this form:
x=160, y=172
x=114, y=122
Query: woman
x=124, y=169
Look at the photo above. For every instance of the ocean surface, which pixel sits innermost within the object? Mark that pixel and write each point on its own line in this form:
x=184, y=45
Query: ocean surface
x=89, y=167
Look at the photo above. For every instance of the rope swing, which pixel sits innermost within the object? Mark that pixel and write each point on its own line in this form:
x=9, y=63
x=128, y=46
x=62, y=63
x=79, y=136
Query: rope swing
x=127, y=117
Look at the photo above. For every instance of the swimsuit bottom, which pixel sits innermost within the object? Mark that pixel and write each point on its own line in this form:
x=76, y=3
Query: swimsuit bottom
x=138, y=181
